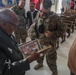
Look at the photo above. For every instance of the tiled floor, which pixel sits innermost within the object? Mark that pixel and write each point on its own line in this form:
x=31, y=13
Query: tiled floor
x=61, y=60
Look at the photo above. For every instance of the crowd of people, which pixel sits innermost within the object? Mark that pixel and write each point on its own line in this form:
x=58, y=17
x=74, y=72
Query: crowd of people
x=43, y=24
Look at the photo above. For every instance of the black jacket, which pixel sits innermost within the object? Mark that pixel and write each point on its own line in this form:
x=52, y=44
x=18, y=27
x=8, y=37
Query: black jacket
x=10, y=52
x=30, y=17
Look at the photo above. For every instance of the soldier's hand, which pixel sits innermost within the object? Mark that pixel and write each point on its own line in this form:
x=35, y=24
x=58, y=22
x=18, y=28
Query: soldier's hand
x=33, y=24
x=48, y=33
x=33, y=56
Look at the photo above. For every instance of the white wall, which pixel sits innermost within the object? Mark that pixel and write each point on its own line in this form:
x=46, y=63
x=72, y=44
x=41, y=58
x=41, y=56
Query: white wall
x=59, y=6
x=27, y=5
x=53, y=8
x=64, y=3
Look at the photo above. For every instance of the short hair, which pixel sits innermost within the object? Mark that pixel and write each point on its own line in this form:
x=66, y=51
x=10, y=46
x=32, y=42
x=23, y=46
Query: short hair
x=8, y=15
x=32, y=3
x=47, y=4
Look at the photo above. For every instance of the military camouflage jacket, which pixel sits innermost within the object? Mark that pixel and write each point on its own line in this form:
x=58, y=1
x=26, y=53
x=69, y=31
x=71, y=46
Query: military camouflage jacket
x=21, y=16
x=52, y=23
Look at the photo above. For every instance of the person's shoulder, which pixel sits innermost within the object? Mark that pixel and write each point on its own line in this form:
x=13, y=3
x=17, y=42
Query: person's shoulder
x=36, y=10
x=28, y=11
x=52, y=14
x=14, y=7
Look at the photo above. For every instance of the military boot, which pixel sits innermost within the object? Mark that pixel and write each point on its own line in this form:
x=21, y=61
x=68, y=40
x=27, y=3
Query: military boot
x=38, y=66
x=55, y=73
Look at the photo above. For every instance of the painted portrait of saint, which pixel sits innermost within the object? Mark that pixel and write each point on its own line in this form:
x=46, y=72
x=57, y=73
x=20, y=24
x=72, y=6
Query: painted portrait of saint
x=8, y=2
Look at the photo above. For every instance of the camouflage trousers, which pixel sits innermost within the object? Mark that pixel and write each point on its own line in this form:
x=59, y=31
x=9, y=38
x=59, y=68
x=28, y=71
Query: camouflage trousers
x=21, y=34
x=51, y=58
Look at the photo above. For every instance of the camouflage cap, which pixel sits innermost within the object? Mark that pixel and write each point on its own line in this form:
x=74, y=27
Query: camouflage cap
x=47, y=4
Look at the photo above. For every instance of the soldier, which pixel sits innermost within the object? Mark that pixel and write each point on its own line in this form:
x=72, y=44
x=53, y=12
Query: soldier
x=47, y=28
x=21, y=29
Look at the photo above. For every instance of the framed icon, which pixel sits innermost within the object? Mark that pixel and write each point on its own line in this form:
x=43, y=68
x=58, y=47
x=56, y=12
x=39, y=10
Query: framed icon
x=7, y=3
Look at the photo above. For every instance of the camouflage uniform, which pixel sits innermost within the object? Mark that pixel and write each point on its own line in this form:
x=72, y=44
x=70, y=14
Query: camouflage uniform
x=52, y=23
x=21, y=29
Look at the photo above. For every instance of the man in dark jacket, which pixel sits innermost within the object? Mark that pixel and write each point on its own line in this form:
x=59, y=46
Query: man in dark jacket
x=11, y=59
x=32, y=13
